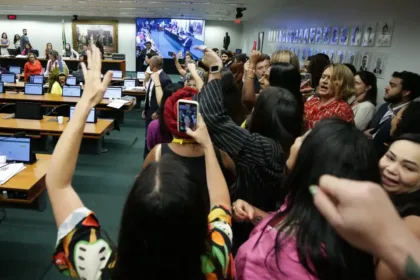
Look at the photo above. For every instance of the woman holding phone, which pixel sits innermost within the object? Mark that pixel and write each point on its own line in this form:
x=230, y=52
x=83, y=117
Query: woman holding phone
x=164, y=208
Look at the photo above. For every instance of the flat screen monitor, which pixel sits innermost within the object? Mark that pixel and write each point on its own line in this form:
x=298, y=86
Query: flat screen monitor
x=1, y=87
x=72, y=91
x=170, y=35
x=16, y=149
x=91, y=117
x=14, y=69
x=129, y=83
x=36, y=79
x=141, y=75
x=117, y=74
x=113, y=92
x=35, y=89
x=8, y=78
x=71, y=81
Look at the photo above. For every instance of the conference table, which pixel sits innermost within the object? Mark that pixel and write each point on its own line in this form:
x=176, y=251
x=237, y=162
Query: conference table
x=108, y=64
x=25, y=188
x=52, y=100
x=93, y=133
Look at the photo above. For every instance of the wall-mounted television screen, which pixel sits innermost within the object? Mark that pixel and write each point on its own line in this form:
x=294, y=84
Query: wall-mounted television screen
x=170, y=35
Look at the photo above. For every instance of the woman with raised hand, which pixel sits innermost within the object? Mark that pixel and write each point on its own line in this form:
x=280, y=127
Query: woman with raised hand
x=164, y=208
x=296, y=242
x=260, y=151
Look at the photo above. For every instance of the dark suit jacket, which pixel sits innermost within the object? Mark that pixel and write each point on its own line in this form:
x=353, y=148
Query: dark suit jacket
x=382, y=130
x=152, y=106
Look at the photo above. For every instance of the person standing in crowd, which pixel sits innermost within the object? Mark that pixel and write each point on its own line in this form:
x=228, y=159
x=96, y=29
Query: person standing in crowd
x=317, y=65
x=163, y=196
x=364, y=102
x=227, y=57
x=16, y=42
x=57, y=87
x=143, y=54
x=296, y=242
x=24, y=39
x=188, y=42
x=70, y=52
x=55, y=61
x=407, y=120
x=400, y=170
x=286, y=57
x=32, y=67
x=259, y=152
x=4, y=44
x=336, y=86
x=48, y=49
x=27, y=50
x=254, y=70
x=216, y=50
x=403, y=88
x=151, y=106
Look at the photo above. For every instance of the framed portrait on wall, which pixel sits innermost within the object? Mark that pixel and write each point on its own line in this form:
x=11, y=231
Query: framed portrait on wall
x=331, y=55
x=352, y=58
x=384, y=36
x=340, y=56
x=318, y=37
x=104, y=32
x=356, y=35
x=380, y=61
x=305, y=36
x=312, y=35
x=300, y=36
x=364, y=61
x=326, y=35
x=260, y=42
x=334, y=36
x=369, y=35
x=344, y=36
x=283, y=35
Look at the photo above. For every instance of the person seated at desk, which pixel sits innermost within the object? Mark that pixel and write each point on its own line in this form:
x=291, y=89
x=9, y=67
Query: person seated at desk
x=69, y=52
x=32, y=67
x=55, y=61
x=57, y=88
x=79, y=74
x=48, y=49
x=28, y=49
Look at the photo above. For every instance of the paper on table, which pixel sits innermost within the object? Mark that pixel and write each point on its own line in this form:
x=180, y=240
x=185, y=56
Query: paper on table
x=117, y=103
x=7, y=171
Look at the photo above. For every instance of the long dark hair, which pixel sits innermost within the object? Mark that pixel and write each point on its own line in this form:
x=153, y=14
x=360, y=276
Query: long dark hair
x=232, y=98
x=317, y=65
x=337, y=148
x=15, y=39
x=164, y=227
x=286, y=76
x=407, y=204
x=278, y=115
x=369, y=79
x=167, y=91
x=409, y=122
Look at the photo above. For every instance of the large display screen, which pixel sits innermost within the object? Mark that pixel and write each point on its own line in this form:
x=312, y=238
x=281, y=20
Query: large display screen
x=170, y=35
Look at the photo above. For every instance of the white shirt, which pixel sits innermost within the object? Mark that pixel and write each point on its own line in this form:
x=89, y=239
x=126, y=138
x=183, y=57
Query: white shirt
x=363, y=114
x=150, y=89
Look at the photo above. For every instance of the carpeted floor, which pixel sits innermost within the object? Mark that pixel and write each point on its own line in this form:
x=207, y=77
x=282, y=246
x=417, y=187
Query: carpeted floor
x=27, y=238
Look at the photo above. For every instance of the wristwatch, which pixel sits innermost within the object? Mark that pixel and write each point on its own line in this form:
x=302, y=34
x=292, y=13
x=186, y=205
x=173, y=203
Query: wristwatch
x=215, y=69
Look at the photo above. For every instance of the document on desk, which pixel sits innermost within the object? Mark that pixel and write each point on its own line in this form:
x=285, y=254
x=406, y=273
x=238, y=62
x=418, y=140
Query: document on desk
x=117, y=103
x=7, y=171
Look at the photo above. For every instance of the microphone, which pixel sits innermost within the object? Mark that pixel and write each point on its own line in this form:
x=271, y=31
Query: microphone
x=54, y=113
x=7, y=105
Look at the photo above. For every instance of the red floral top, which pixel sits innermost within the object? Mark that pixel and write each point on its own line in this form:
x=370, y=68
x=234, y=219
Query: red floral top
x=314, y=111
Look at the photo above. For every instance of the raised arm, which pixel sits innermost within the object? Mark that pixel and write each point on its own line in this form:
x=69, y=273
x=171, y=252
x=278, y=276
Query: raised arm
x=248, y=90
x=64, y=199
x=181, y=70
x=193, y=70
x=216, y=183
x=76, y=54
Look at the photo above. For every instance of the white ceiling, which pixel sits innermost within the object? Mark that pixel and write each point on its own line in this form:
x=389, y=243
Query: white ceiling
x=199, y=9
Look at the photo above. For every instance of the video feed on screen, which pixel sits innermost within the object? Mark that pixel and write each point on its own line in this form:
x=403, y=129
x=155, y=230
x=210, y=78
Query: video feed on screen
x=169, y=35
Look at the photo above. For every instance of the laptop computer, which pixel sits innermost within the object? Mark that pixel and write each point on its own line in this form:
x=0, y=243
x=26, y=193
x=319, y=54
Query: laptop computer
x=34, y=89
x=13, y=52
x=71, y=81
x=117, y=74
x=129, y=83
x=141, y=75
x=72, y=91
x=8, y=78
x=15, y=69
x=1, y=87
x=26, y=110
x=92, y=118
x=36, y=79
x=113, y=92
x=17, y=149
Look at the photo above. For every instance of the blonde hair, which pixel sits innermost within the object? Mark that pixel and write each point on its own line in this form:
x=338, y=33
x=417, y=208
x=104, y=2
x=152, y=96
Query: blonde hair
x=343, y=81
x=285, y=57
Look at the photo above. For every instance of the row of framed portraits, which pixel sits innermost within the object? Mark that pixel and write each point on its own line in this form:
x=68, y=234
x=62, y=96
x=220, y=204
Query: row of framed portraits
x=375, y=62
x=366, y=35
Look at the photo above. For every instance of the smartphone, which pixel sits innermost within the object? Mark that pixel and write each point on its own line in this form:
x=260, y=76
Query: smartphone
x=307, y=78
x=187, y=114
x=254, y=47
x=171, y=54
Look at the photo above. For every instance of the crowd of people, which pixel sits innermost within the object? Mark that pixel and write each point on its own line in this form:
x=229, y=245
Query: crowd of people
x=282, y=178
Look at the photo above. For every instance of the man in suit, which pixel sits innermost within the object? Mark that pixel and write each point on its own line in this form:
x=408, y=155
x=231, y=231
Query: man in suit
x=151, y=107
x=24, y=39
x=227, y=57
x=143, y=54
x=226, y=41
x=403, y=88
x=187, y=43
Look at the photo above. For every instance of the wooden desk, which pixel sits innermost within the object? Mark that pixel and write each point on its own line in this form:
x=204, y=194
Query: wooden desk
x=47, y=127
x=52, y=100
x=107, y=64
x=28, y=184
x=139, y=93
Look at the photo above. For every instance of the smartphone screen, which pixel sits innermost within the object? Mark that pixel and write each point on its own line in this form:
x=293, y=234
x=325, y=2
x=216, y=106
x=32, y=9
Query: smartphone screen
x=187, y=116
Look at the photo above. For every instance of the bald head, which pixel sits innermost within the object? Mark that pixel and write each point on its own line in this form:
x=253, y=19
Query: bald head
x=156, y=63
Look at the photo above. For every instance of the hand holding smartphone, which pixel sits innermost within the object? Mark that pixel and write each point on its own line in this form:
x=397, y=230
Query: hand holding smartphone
x=187, y=114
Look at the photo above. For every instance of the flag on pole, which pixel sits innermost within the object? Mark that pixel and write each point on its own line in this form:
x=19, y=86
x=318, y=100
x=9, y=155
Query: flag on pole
x=63, y=37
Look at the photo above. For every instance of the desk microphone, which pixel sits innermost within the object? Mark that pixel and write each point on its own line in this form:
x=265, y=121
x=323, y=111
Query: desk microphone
x=54, y=113
x=7, y=105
